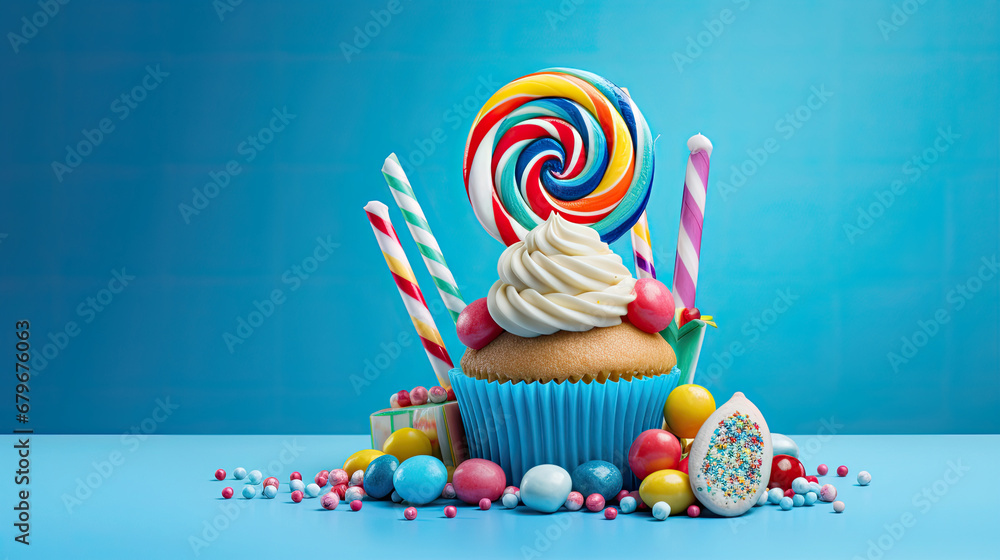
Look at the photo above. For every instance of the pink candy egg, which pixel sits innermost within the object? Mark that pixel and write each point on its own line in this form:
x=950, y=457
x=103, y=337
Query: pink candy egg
x=338, y=476
x=822, y=470
x=410, y=513
x=476, y=327
x=574, y=501
x=295, y=476
x=356, y=505
x=271, y=481
x=437, y=394
x=595, y=502
x=828, y=493
x=403, y=398
x=220, y=474
x=478, y=479
x=227, y=492
x=610, y=513
x=320, y=481
x=485, y=504
x=418, y=395
x=842, y=470
x=297, y=496
x=450, y=512
x=652, y=310
x=330, y=501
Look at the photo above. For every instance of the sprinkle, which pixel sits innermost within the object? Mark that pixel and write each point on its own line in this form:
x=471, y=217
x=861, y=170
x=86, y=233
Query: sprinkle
x=732, y=466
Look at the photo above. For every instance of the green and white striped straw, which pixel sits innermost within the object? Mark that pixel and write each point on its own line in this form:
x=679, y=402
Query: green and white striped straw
x=402, y=192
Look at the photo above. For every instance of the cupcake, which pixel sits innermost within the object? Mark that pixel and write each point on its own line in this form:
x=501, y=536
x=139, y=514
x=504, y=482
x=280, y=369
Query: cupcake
x=569, y=380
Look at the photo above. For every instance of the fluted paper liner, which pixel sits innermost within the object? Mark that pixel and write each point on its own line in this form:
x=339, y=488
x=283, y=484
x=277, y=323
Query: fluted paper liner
x=521, y=425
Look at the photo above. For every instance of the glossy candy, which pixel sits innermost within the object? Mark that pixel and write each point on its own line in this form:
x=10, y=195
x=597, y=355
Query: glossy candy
x=828, y=493
x=320, y=480
x=378, y=476
x=811, y=478
x=864, y=478
x=353, y=493
x=789, y=493
x=688, y=314
x=394, y=401
x=340, y=476
x=475, y=479
x=693, y=511
x=670, y=486
x=509, y=501
x=815, y=487
x=403, y=398
x=687, y=408
x=421, y=479
x=270, y=491
x=410, y=513
x=822, y=470
x=295, y=476
x=785, y=469
x=297, y=496
x=451, y=394
x=574, y=502
x=485, y=504
x=600, y=477
x=356, y=505
x=661, y=510
x=545, y=488
x=358, y=478
x=437, y=394
x=254, y=477
x=558, y=140
x=784, y=445
x=448, y=492
x=312, y=490
x=842, y=470
x=330, y=501
x=220, y=474
x=610, y=513
x=239, y=473
x=627, y=504
x=595, y=502
x=297, y=484
x=654, y=450
x=476, y=327
x=652, y=310
x=798, y=500
x=774, y=495
x=621, y=494
x=249, y=491
x=838, y=506
x=405, y=443
x=810, y=498
x=227, y=492
x=512, y=490
x=340, y=490
x=271, y=481
x=418, y=395
x=800, y=485
x=786, y=503
x=359, y=460
x=450, y=512
x=683, y=465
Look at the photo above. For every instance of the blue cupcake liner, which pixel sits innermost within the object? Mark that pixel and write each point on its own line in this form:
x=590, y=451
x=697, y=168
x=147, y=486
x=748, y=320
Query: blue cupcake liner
x=521, y=425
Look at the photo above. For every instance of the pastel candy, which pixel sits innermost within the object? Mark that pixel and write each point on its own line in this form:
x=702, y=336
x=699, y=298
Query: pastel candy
x=545, y=488
x=378, y=476
x=421, y=479
x=784, y=445
x=597, y=477
x=476, y=479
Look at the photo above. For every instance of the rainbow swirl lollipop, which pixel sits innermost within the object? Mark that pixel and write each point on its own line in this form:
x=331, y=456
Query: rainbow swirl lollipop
x=559, y=140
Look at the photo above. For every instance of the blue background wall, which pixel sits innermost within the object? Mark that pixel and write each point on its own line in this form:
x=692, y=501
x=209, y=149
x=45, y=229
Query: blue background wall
x=825, y=361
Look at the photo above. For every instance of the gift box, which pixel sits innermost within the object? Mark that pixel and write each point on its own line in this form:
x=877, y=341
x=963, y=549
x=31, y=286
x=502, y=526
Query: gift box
x=442, y=422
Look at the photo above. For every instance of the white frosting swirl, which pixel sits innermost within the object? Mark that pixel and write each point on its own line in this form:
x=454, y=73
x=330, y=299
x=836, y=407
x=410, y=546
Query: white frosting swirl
x=562, y=277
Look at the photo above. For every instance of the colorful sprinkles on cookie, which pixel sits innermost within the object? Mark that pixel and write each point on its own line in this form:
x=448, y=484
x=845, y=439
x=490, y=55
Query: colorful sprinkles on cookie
x=732, y=466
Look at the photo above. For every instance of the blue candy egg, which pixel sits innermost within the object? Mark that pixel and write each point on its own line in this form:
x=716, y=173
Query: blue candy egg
x=297, y=485
x=312, y=490
x=800, y=485
x=420, y=479
x=627, y=505
x=249, y=492
x=239, y=473
x=270, y=491
x=378, y=476
x=661, y=510
x=783, y=445
x=798, y=500
x=774, y=495
x=509, y=501
x=255, y=477
x=597, y=477
x=785, y=503
x=811, y=498
x=545, y=488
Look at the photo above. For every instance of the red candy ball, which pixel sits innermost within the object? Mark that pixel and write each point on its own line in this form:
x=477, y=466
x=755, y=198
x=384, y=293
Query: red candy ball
x=220, y=474
x=595, y=502
x=654, y=450
x=295, y=476
x=789, y=493
x=822, y=470
x=297, y=496
x=320, y=480
x=451, y=394
x=621, y=495
x=785, y=469
x=653, y=306
x=683, y=466
x=271, y=481
x=478, y=479
x=842, y=470
x=485, y=504
x=812, y=478
x=356, y=505
x=687, y=315
x=694, y=511
x=410, y=513
x=450, y=512
x=403, y=398
x=227, y=492
x=340, y=490
x=476, y=327
x=610, y=513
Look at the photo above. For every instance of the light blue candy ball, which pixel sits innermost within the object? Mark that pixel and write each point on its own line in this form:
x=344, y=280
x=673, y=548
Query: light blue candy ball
x=661, y=510
x=597, y=477
x=396, y=498
x=312, y=490
x=864, y=478
x=762, y=499
x=509, y=501
x=627, y=505
x=297, y=485
x=783, y=445
x=774, y=495
x=420, y=479
x=798, y=500
x=249, y=491
x=270, y=491
x=545, y=488
x=239, y=473
x=811, y=498
x=814, y=487
x=255, y=477
x=785, y=503
x=800, y=485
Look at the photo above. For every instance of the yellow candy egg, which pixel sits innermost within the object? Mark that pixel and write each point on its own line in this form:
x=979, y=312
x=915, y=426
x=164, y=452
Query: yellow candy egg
x=407, y=442
x=669, y=486
x=359, y=461
x=687, y=408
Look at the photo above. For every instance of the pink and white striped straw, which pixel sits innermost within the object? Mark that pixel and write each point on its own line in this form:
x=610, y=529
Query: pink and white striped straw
x=692, y=219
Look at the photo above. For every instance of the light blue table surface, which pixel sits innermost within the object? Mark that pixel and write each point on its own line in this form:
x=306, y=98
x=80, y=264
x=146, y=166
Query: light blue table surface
x=931, y=497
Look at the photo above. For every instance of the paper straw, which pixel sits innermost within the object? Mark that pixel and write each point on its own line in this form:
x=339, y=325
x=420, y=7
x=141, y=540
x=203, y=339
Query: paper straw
x=642, y=249
x=692, y=219
x=413, y=298
x=402, y=192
